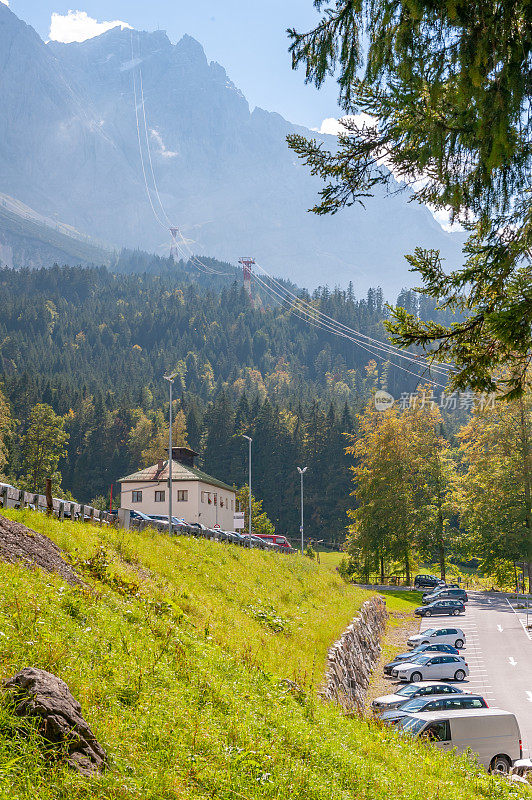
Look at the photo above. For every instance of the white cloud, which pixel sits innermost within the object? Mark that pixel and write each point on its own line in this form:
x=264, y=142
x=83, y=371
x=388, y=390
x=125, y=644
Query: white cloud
x=77, y=26
x=334, y=127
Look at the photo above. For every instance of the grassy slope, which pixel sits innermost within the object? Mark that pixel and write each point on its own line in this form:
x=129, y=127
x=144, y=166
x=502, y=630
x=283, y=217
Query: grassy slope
x=174, y=656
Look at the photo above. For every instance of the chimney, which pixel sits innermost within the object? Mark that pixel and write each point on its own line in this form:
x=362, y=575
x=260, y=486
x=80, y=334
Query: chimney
x=184, y=455
x=160, y=465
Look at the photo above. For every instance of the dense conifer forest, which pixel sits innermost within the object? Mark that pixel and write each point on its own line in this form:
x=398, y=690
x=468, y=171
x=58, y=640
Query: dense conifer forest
x=94, y=345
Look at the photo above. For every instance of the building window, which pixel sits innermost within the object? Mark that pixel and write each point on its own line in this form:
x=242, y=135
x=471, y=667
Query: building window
x=203, y=497
x=182, y=496
x=159, y=496
x=136, y=497
x=232, y=505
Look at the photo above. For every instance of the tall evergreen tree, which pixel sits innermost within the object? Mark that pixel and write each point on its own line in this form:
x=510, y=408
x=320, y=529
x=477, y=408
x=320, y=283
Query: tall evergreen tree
x=44, y=445
x=219, y=426
x=445, y=89
x=6, y=428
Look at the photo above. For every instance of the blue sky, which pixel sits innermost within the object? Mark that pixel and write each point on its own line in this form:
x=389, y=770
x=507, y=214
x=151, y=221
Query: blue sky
x=248, y=38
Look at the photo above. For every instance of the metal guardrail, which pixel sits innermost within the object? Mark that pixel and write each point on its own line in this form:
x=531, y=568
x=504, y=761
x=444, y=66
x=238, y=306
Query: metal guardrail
x=11, y=497
x=389, y=580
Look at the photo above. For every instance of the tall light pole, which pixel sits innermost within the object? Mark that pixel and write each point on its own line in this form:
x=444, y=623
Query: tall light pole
x=249, y=483
x=170, y=379
x=302, y=471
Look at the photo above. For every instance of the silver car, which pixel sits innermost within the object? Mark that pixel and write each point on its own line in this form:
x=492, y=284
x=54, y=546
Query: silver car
x=411, y=690
x=443, y=667
x=453, y=636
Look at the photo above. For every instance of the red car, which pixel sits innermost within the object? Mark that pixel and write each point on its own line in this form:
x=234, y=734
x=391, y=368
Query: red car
x=282, y=541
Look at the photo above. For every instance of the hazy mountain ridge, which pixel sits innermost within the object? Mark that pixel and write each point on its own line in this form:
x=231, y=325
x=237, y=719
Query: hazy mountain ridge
x=30, y=241
x=225, y=174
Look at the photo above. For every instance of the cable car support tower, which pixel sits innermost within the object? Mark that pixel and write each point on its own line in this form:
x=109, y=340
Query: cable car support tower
x=247, y=263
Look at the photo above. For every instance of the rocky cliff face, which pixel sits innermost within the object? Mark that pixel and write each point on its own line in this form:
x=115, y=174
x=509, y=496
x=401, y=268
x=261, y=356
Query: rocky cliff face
x=53, y=154
x=68, y=146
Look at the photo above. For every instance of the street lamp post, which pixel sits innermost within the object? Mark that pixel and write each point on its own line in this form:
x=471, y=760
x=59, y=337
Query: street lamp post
x=249, y=484
x=170, y=379
x=302, y=471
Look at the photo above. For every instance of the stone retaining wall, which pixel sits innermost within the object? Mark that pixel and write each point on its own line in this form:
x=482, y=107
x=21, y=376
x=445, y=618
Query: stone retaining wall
x=352, y=658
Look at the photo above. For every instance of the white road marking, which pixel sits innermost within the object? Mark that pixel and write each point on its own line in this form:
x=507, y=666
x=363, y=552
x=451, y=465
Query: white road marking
x=520, y=620
x=529, y=696
x=512, y=661
x=500, y=628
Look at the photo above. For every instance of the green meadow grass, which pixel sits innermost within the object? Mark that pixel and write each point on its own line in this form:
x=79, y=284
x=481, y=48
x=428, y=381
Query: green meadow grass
x=185, y=656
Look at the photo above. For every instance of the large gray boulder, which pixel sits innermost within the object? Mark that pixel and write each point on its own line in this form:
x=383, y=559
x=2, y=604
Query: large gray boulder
x=47, y=698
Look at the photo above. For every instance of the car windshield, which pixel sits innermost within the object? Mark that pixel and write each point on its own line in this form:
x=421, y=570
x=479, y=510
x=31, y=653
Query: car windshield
x=411, y=724
x=421, y=659
x=415, y=704
x=407, y=691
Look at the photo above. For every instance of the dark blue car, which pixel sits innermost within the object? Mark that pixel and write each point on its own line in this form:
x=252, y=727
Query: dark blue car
x=441, y=607
x=422, y=649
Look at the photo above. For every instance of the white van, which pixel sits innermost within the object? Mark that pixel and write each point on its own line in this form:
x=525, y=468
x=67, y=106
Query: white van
x=493, y=735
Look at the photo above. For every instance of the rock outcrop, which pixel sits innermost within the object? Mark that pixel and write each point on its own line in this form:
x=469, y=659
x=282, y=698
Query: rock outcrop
x=352, y=658
x=47, y=699
x=20, y=544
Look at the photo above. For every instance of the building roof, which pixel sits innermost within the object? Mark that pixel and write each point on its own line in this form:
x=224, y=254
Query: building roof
x=180, y=472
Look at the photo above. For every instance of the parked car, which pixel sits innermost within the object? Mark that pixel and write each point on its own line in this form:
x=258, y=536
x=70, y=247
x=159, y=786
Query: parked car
x=423, y=649
x=282, y=541
x=492, y=734
x=441, y=607
x=256, y=541
x=197, y=529
x=164, y=518
x=424, y=668
x=445, y=594
x=402, y=695
x=233, y=537
x=435, y=703
x=426, y=581
x=179, y=526
x=454, y=636
x=420, y=658
x=139, y=515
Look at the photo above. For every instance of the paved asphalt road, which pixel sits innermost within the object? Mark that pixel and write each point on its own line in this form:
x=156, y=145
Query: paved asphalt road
x=499, y=654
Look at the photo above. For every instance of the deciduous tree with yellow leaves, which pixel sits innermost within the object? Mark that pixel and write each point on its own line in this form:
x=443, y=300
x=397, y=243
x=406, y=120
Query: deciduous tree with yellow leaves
x=403, y=476
x=495, y=490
